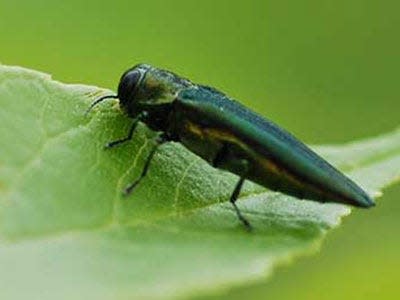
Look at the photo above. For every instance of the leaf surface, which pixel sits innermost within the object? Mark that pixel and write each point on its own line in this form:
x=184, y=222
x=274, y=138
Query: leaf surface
x=66, y=232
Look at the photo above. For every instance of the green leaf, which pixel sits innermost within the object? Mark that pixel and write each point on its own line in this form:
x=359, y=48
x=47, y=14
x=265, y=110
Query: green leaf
x=66, y=232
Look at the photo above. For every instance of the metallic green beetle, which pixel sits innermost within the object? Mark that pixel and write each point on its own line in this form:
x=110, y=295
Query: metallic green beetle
x=228, y=136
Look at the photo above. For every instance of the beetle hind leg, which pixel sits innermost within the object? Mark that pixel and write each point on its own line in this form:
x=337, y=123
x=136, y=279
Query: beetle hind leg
x=225, y=157
x=234, y=197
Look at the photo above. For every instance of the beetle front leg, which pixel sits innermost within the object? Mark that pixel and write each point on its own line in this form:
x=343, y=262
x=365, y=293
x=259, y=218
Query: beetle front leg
x=127, y=138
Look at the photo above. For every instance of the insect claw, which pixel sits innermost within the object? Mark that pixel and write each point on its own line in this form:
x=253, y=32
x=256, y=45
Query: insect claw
x=114, y=143
x=247, y=225
x=130, y=188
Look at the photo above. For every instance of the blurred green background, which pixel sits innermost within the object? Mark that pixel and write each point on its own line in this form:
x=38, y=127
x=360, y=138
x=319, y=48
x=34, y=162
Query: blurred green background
x=325, y=70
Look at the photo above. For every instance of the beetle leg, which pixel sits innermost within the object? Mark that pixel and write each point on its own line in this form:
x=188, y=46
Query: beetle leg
x=234, y=196
x=220, y=159
x=159, y=141
x=127, y=138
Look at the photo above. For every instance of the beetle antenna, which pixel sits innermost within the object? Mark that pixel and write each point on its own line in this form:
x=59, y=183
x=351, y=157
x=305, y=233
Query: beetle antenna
x=100, y=100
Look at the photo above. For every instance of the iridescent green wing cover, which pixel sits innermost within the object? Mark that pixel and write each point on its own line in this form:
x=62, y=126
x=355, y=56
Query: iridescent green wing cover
x=270, y=140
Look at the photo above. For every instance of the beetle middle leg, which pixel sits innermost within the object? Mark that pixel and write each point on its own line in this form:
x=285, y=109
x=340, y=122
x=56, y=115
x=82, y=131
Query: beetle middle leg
x=158, y=142
x=224, y=157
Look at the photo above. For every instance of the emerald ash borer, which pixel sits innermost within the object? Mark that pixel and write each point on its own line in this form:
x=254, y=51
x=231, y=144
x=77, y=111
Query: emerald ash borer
x=228, y=136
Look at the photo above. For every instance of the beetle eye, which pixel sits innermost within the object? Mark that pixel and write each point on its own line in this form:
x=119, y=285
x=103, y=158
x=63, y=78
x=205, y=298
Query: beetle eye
x=128, y=84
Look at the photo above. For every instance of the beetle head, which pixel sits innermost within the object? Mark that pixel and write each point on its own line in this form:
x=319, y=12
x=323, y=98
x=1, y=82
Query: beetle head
x=144, y=88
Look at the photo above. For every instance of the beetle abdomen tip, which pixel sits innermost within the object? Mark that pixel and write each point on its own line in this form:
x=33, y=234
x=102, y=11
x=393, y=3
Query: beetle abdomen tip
x=366, y=201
